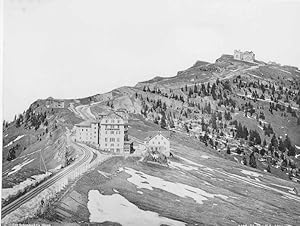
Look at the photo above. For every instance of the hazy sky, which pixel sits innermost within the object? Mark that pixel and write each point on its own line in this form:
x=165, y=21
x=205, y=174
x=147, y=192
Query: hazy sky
x=77, y=48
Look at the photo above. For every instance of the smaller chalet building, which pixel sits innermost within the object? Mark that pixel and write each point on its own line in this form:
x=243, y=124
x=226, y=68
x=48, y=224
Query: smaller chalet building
x=158, y=142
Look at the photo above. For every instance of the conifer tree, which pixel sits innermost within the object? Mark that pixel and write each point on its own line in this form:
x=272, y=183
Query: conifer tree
x=269, y=168
x=252, y=160
x=163, y=123
x=274, y=141
x=245, y=161
x=228, y=150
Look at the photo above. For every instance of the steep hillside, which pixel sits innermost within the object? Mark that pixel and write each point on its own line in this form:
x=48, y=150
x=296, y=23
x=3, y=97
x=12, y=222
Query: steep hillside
x=253, y=94
x=244, y=116
x=197, y=187
x=231, y=104
x=35, y=142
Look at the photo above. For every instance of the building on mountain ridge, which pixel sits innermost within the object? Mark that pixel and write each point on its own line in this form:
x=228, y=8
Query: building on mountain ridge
x=52, y=103
x=248, y=56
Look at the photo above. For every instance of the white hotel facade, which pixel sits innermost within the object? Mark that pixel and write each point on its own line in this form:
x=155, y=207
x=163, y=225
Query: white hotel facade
x=87, y=131
x=112, y=134
x=108, y=133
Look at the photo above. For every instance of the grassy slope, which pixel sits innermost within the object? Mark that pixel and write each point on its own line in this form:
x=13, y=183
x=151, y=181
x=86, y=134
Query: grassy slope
x=50, y=147
x=249, y=199
x=246, y=203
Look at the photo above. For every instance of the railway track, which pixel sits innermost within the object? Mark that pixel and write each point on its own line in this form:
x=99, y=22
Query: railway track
x=46, y=184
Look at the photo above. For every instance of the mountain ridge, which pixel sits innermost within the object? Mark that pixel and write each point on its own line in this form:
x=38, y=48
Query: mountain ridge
x=237, y=120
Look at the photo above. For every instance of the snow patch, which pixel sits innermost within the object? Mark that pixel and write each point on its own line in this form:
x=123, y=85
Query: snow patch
x=260, y=127
x=121, y=169
x=103, y=173
x=182, y=166
x=277, y=185
x=142, y=180
x=140, y=192
x=56, y=168
x=19, y=166
x=115, y=190
x=10, y=143
x=116, y=208
x=254, y=75
x=297, y=147
x=205, y=157
x=254, y=174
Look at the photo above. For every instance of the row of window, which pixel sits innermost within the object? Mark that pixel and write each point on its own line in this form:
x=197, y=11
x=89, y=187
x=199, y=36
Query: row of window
x=106, y=132
x=154, y=149
x=112, y=139
x=80, y=134
x=111, y=145
x=112, y=121
x=113, y=132
x=86, y=130
x=117, y=150
x=112, y=127
x=158, y=142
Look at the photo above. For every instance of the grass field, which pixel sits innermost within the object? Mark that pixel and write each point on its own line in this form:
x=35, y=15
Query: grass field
x=231, y=194
x=200, y=186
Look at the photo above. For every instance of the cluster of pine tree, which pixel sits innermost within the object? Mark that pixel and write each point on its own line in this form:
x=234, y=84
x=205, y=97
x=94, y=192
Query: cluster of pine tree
x=33, y=119
x=268, y=129
x=12, y=152
x=282, y=145
x=156, y=106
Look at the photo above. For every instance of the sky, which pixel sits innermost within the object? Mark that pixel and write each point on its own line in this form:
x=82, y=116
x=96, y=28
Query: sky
x=78, y=48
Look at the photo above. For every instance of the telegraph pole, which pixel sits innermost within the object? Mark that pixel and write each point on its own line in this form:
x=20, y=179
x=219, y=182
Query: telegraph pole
x=42, y=161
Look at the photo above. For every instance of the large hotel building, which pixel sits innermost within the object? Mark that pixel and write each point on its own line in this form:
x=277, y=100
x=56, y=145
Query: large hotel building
x=109, y=133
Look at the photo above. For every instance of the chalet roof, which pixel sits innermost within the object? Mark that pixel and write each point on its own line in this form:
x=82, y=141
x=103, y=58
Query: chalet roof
x=152, y=134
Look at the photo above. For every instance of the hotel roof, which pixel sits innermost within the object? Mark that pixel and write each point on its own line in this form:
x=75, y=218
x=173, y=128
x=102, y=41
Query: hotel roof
x=87, y=123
